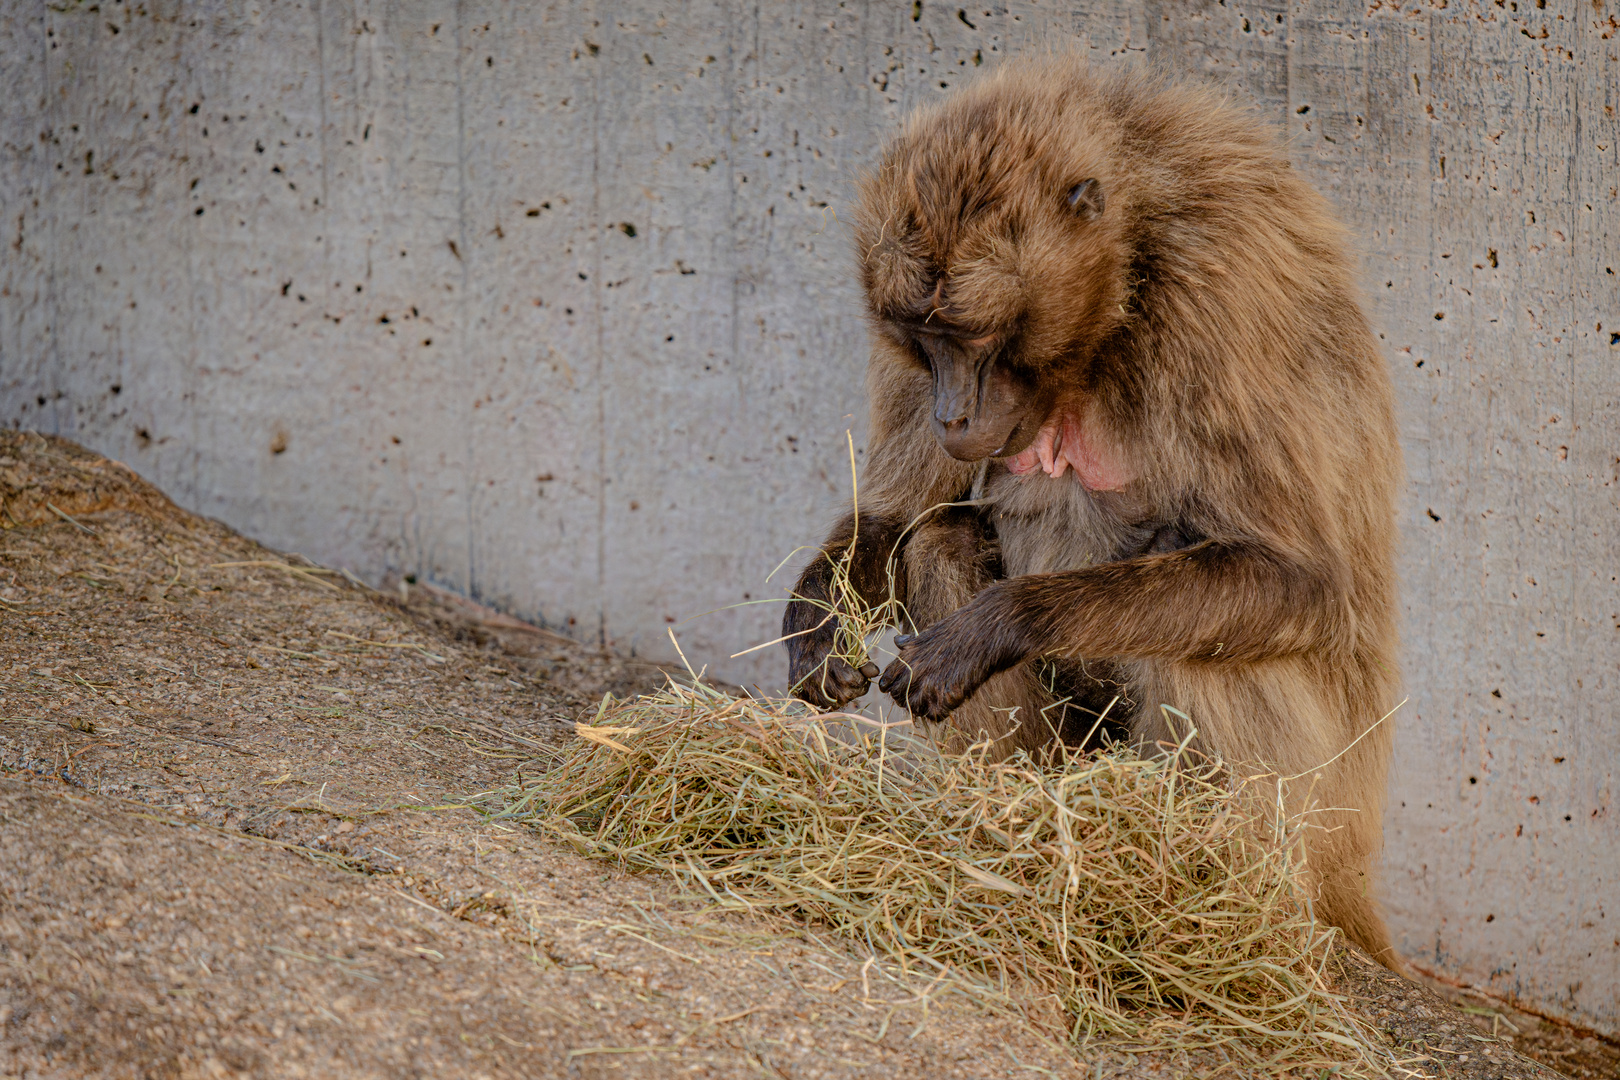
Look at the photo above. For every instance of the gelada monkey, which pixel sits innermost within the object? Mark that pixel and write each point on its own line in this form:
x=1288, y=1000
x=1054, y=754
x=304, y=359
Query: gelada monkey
x=1110, y=318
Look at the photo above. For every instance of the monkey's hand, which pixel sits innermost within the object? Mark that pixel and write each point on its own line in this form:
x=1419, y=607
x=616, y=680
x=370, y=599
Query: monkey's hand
x=814, y=673
x=810, y=627
x=940, y=668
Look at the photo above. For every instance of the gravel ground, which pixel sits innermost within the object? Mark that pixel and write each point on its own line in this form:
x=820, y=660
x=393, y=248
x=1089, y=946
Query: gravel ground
x=229, y=848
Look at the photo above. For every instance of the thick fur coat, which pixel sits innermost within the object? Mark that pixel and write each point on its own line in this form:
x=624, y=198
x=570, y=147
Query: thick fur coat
x=1206, y=518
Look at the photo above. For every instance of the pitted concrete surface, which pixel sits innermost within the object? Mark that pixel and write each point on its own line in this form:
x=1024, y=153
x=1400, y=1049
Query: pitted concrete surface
x=551, y=304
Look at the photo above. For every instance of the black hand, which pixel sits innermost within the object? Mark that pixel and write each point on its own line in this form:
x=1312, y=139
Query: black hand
x=814, y=674
x=940, y=668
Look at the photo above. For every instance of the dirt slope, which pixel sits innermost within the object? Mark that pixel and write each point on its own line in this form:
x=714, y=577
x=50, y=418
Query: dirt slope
x=219, y=853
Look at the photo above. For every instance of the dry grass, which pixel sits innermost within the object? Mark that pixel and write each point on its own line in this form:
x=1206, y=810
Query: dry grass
x=285, y=724
x=1143, y=900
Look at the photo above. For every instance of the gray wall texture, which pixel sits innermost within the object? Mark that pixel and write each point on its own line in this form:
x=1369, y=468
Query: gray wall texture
x=550, y=303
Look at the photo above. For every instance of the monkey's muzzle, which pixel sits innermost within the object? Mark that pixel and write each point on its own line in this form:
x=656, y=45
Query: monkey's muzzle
x=980, y=403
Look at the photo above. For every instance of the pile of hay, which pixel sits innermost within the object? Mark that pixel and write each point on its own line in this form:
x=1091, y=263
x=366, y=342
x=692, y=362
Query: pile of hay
x=1148, y=898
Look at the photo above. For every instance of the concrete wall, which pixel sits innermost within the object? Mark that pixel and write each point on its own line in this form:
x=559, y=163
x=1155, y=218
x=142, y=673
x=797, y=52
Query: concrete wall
x=550, y=303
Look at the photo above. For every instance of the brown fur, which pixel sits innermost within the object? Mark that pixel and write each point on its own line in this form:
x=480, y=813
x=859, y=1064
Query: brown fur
x=1202, y=329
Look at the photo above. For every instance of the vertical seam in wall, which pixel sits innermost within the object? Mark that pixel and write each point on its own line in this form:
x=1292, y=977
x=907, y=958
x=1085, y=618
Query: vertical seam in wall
x=392, y=165
x=599, y=297
x=1572, y=196
x=731, y=90
x=1463, y=497
x=1433, y=421
x=188, y=381
x=320, y=88
x=468, y=381
x=325, y=216
x=1288, y=140
x=48, y=200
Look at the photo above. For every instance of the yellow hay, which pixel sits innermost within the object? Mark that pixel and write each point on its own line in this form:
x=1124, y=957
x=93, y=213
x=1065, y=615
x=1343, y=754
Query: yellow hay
x=1148, y=900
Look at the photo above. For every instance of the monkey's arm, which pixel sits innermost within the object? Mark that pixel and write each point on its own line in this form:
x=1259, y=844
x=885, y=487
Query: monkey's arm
x=1219, y=602
x=906, y=474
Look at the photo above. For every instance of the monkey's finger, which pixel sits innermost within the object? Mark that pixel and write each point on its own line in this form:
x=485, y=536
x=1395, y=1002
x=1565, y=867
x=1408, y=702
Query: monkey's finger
x=897, y=674
x=814, y=688
x=832, y=684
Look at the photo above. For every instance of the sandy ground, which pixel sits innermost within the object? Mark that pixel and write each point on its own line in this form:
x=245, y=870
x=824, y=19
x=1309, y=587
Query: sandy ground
x=228, y=848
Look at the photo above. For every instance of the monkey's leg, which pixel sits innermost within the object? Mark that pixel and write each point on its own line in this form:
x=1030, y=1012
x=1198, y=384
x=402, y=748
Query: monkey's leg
x=1356, y=701
x=1092, y=701
x=1313, y=725
x=949, y=559
x=809, y=624
x=1265, y=657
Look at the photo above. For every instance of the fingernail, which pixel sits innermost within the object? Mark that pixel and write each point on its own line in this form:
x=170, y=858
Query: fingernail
x=870, y=670
x=903, y=639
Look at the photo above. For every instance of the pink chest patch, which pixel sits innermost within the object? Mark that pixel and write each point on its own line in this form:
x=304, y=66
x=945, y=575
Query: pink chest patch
x=1062, y=444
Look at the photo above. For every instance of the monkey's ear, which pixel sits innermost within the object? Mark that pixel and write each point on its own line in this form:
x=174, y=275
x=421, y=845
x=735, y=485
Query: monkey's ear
x=1086, y=198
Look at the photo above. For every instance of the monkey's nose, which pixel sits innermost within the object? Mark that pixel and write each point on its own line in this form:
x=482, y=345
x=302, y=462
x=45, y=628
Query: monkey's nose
x=953, y=412
x=952, y=433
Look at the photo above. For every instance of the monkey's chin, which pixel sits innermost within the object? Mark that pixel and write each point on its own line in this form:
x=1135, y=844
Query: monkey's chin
x=974, y=454
x=1021, y=438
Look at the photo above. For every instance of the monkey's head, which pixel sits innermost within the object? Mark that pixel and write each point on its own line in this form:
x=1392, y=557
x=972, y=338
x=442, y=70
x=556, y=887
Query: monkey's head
x=993, y=256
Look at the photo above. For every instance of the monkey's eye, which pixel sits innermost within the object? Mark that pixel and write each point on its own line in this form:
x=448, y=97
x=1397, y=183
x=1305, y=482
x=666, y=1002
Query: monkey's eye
x=1086, y=198
x=918, y=353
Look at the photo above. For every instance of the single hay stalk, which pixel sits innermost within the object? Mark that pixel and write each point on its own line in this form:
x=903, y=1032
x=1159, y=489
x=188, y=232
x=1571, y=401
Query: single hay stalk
x=1157, y=901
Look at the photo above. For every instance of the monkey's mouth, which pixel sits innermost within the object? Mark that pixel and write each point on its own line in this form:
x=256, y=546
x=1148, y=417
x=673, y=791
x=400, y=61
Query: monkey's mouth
x=1020, y=439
